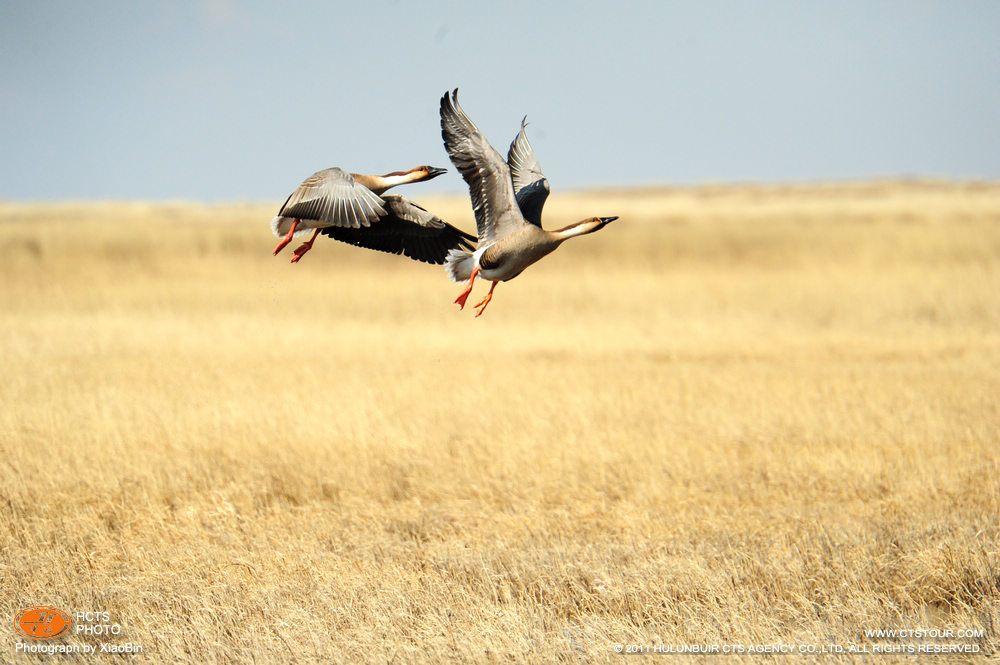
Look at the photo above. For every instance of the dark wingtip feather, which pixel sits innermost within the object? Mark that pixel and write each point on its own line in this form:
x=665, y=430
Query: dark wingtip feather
x=449, y=98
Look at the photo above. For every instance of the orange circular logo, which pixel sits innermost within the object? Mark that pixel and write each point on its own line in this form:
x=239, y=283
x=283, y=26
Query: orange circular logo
x=42, y=622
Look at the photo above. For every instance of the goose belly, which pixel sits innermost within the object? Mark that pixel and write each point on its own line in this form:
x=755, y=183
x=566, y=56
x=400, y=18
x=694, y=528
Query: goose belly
x=501, y=266
x=501, y=274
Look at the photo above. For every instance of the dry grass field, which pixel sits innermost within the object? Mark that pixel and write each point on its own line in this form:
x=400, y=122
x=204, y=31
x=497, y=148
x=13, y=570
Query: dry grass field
x=738, y=415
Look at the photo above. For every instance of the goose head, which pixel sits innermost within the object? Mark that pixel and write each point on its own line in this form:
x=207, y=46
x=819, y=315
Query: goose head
x=428, y=172
x=584, y=227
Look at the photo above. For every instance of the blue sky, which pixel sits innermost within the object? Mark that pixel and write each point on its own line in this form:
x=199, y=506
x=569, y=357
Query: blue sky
x=231, y=101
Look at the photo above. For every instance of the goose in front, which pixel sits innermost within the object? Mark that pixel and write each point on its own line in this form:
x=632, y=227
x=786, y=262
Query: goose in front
x=352, y=208
x=507, y=200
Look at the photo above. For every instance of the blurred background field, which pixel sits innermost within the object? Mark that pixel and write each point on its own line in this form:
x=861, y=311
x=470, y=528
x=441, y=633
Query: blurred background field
x=739, y=414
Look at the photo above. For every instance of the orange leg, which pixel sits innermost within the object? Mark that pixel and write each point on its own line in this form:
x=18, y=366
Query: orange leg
x=288, y=238
x=304, y=247
x=481, y=306
x=464, y=295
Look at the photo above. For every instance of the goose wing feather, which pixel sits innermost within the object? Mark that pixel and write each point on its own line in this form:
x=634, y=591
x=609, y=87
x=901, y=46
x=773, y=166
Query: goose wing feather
x=406, y=229
x=333, y=198
x=531, y=187
x=483, y=169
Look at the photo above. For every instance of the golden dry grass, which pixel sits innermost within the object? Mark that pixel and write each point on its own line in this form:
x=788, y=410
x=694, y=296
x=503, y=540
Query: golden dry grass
x=738, y=415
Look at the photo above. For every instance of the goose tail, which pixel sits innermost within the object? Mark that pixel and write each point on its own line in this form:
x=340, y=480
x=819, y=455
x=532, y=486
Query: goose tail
x=459, y=264
x=281, y=225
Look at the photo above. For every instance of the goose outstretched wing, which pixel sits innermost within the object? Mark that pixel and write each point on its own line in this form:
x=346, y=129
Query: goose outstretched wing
x=332, y=197
x=406, y=229
x=531, y=187
x=484, y=170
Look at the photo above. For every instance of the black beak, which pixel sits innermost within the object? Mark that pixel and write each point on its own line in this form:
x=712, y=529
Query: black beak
x=434, y=172
x=608, y=220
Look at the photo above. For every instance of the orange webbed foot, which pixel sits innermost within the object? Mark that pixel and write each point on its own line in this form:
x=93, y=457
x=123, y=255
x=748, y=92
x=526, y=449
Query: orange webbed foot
x=301, y=250
x=464, y=295
x=481, y=305
x=287, y=239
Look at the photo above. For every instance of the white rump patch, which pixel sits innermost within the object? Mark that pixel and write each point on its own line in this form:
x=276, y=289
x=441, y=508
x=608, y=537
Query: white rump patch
x=459, y=264
x=280, y=226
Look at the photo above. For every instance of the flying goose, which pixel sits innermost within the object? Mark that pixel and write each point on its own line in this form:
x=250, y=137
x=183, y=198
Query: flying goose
x=507, y=200
x=350, y=207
